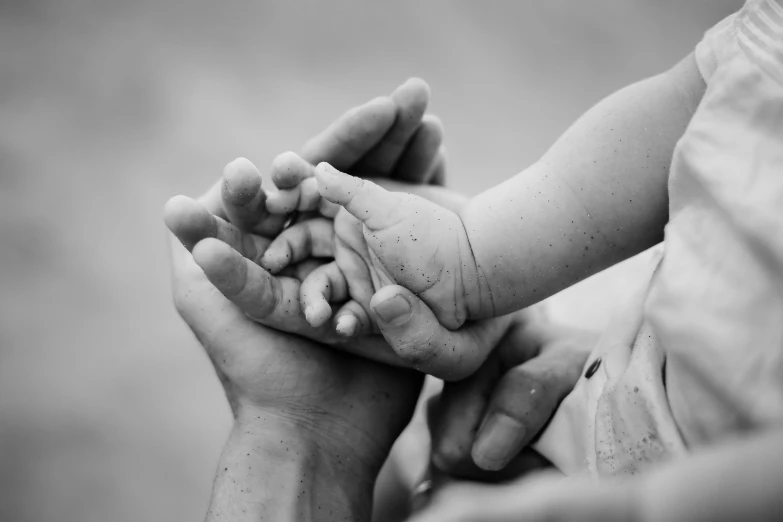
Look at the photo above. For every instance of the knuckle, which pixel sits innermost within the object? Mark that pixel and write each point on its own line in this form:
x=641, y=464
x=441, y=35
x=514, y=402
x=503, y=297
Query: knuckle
x=361, y=184
x=418, y=348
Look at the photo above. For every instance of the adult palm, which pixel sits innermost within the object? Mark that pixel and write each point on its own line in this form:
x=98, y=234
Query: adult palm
x=266, y=372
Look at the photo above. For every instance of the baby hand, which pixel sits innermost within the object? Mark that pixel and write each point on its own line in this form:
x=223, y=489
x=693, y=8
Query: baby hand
x=377, y=238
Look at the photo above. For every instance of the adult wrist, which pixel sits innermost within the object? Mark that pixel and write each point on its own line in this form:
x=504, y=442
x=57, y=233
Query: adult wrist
x=277, y=468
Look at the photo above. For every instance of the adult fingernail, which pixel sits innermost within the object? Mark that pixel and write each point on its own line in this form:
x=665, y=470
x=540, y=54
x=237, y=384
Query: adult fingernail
x=497, y=440
x=393, y=308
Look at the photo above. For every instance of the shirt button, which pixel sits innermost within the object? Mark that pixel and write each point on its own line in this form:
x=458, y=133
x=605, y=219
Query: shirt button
x=593, y=368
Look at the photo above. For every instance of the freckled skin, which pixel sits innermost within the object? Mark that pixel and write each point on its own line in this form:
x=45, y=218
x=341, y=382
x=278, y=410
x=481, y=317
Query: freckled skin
x=598, y=196
x=422, y=249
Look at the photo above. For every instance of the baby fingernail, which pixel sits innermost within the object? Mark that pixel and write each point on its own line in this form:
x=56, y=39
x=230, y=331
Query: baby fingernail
x=392, y=308
x=346, y=325
x=325, y=170
x=497, y=440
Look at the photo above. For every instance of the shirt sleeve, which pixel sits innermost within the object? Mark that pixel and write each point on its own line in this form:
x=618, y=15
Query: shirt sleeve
x=756, y=30
x=715, y=45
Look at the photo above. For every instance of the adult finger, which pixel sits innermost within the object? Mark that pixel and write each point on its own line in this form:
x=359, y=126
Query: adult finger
x=293, y=176
x=461, y=502
x=533, y=350
x=191, y=222
x=437, y=173
x=411, y=99
x=262, y=296
x=244, y=200
x=311, y=238
x=200, y=306
x=522, y=403
x=190, y=285
x=290, y=169
x=413, y=331
x=545, y=496
x=418, y=159
x=212, y=200
x=353, y=134
x=454, y=421
x=267, y=299
x=454, y=418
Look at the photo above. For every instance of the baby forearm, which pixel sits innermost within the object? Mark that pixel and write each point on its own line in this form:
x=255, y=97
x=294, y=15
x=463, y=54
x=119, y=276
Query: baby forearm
x=597, y=197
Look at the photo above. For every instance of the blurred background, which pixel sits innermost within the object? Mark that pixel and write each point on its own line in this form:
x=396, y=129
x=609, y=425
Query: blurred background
x=109, y=410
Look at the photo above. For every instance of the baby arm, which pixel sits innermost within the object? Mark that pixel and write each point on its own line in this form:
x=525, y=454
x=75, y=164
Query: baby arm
x=598, y=196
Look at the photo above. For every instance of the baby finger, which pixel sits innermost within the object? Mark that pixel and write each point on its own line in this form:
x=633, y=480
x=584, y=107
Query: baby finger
x=310, y=238
x=351, y=320
x=325, y=284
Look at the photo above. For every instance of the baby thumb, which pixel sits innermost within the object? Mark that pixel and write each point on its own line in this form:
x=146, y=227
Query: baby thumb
x=413, y=331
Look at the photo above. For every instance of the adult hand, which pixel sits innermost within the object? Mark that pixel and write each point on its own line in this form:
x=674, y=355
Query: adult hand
x=370, y=131
x=479, y=428
x=231, y=265
x=484, y=421
x=308, y=420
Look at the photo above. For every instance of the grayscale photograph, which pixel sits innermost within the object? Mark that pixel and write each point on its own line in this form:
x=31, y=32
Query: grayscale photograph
x=415, y=261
